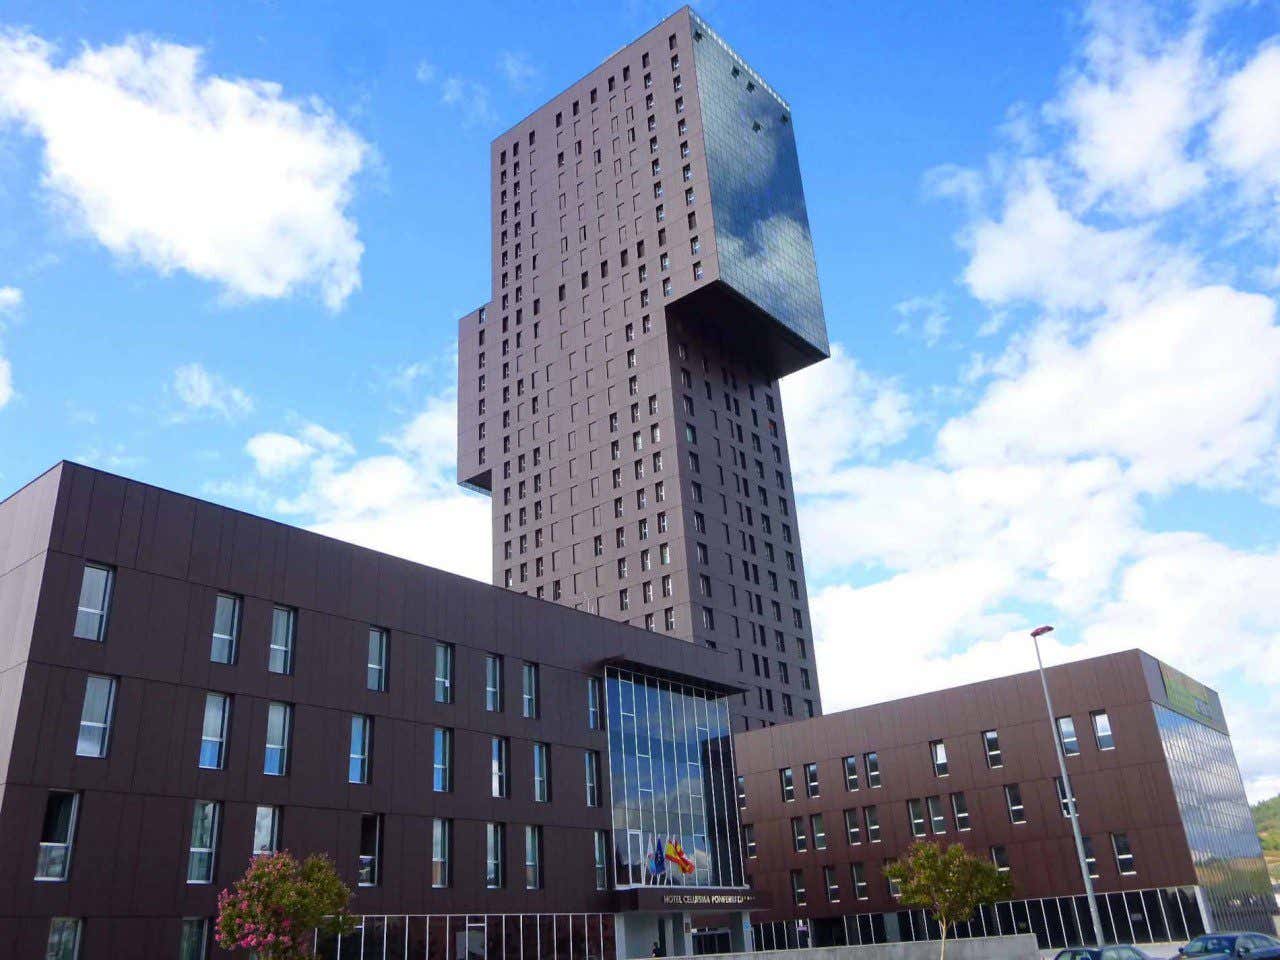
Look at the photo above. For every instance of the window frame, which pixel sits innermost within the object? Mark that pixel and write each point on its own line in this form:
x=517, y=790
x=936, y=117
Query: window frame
x=102, y=613
x=52, y=851
x=282, y=746
x=230, y=640
x=211, y=850
x=103, y=726
x=280, y=655
x=376, y=661
x=359, y=753
x=220, y=739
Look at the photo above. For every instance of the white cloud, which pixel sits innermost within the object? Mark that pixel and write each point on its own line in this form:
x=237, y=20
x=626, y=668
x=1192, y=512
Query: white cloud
x=277, y=453
x=1134, y=364
x=1184, y=389
x=10, y=301
x=519, y=72
x=404, y=502
x=162, y=163
x=835, y=411
x=1246, y=133
x=923, y=317
x=1134, y=104
x=200, y=391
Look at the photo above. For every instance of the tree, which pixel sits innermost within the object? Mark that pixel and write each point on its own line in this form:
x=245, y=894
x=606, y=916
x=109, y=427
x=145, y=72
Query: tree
x=949, y=882
x=274, y=909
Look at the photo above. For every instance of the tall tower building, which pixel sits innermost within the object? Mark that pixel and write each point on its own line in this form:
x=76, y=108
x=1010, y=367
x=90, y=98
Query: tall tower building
x=653, y=277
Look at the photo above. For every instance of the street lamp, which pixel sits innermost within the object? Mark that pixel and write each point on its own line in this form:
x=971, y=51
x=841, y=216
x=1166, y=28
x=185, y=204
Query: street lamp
x=1070, y=797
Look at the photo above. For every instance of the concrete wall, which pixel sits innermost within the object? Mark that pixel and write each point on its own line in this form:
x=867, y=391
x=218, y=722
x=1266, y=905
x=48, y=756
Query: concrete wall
x=1020, y=947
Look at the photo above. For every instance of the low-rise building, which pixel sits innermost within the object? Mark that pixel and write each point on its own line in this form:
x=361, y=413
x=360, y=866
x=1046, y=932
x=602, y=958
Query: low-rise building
x=1169, y=840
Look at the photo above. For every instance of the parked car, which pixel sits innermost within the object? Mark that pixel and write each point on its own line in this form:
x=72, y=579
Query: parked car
x=1216, y=946
x=1120, y=951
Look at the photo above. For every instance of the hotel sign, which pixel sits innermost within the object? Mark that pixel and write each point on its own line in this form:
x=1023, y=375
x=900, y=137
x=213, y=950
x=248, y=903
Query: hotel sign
x=651, y=898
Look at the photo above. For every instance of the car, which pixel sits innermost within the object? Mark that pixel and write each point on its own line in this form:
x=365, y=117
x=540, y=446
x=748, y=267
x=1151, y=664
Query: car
x=1119, y=951
x=1214, y=946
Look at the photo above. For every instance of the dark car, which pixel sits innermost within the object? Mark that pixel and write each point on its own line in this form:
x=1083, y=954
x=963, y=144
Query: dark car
x=1217, y=946
x=1120, y=951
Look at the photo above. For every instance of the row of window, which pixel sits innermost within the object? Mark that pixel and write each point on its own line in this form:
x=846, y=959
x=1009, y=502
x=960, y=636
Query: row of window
x=97, y=713
x=938, y=756
x=53, y=862
x=1120, y=849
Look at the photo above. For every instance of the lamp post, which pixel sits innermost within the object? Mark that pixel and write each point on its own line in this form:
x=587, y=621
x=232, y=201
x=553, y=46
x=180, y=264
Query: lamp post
x=1036, y=634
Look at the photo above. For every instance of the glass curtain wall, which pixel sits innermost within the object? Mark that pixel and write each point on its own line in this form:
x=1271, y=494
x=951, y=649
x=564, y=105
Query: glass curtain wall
x=675, y=819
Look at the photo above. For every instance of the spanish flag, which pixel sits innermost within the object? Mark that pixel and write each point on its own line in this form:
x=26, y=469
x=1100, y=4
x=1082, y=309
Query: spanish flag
x=675, y=854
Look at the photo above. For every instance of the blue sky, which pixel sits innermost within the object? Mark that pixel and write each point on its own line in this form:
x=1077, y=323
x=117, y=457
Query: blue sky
x=234, y=240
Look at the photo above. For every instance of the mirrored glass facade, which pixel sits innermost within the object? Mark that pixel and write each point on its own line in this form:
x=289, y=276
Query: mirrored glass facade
x=1215, y=815
x=675, y=819
x=761, y=222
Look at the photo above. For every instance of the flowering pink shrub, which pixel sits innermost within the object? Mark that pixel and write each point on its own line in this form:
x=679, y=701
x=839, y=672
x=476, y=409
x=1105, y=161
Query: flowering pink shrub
x=275, y=908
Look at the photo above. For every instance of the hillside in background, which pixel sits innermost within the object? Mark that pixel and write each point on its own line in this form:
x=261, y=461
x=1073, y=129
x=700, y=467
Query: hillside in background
x=1266, y=817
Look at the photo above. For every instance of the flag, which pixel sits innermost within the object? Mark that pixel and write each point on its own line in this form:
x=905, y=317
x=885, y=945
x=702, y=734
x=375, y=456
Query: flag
x=675, y=853
x=657, y=860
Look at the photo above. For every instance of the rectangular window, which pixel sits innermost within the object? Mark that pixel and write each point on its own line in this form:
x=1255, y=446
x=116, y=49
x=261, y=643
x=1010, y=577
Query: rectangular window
x=204, y=841
x=811, y=788
x=858, y=874
x=95, y=602
x=441, y=850
x=376, y=671
x=991, y=745
x=594, y=698
x=871, y=766
x=1090, y=861
x=495, y=844
x=1067, y=736
x=799, y=839
x=871, y=816
x=1013, y=800
x=57, y=835
x=266, y=830
x=895, y=886
x=798, y=895
x=831, y=884
x=493, y=683
x=787, y=779
x=64, y=939
x=818, y=831
x=279, y=720
x=542, y=772
x=532, y=858
x=1124, y=854
x=1000, y=857
x=283, y=629
x=591, y=765
x=194, y=943
x=937, y=818
x=602, y=860
x=213, y=735
x=915, y=815
x=960, y=811
x=749, y=840
x=498, y=753
x=361, y=742
x=1102, y=730
x=852, y=827
x=226, y=629
x=370, y=864
x=742, y=792
x=938, y=752
x=530, y=705
x=851, y=773
x=444, y=673
x=95, y=716
x=442, y=763
x=1064, y=802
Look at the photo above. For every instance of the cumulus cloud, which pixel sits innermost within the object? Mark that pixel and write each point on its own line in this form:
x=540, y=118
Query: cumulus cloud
x=1136, y=363
x=172, y=167
x=837, y=411
x=201, y=392
x=401, y=499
